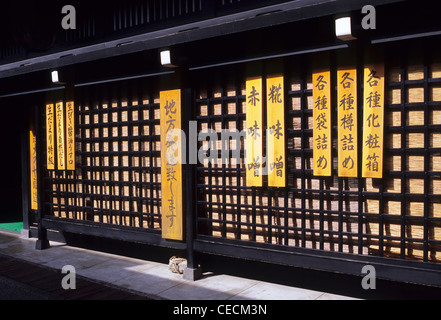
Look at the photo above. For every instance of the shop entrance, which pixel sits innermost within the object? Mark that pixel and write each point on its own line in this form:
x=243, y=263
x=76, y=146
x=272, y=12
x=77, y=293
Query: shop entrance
x=13, y=125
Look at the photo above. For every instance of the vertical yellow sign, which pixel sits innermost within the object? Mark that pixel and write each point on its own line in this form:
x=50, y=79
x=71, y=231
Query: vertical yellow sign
x=171, y=165
x=347, y=122
x=70, y=135
x=373, y=121
x=61, y=165
x=33, y=168
x=275, y=131
x=254, y=132
x=321, y=95
x=50, y=137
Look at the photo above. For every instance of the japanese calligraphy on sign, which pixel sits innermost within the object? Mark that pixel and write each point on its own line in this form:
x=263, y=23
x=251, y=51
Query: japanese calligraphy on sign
x=275, y=131
x=373, y=121
x=322, y=146
x=33, y=169
x=59, y=109
x=347, y=122
x=70, y=136
x=171, y=167
x=254, y=130
x=50, y=137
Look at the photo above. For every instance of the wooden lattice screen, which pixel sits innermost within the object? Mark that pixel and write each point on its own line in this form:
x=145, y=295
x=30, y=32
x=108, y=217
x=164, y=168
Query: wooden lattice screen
x=397, y=216
x=117, y=179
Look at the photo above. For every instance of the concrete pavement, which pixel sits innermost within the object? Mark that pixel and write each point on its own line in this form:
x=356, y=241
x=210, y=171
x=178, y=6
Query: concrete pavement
x=152, y=279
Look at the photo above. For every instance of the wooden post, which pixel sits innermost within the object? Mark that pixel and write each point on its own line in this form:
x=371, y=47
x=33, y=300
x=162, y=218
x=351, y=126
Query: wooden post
x=42, y=242
x=25, y=232
x=192, y=272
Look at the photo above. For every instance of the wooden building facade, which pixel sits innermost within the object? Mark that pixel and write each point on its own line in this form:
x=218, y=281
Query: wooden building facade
x=345, y=135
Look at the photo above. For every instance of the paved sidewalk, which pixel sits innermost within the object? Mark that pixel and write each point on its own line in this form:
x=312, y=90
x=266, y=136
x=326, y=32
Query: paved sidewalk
x=22, y=280
x=148, y=278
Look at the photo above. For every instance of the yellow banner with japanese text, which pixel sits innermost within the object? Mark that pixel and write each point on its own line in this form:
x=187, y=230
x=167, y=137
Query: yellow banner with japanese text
x=70, y=135
x=275, y=131
x=373, y=121
x=61, y=154
x=50, y=137
x=171, y=165
x=33, y=169
x=322, y=143
x=254, y=132
x=347, y=122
